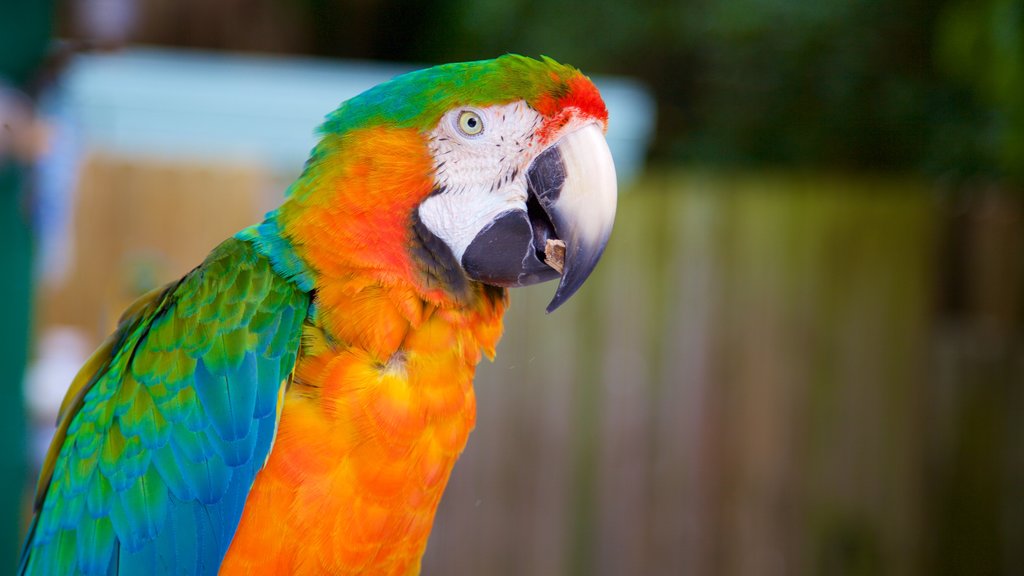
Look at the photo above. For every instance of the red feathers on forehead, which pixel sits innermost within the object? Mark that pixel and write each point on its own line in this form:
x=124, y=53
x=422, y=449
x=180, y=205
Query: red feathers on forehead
x=580, y=93
x=580, y=98
x=584, y=96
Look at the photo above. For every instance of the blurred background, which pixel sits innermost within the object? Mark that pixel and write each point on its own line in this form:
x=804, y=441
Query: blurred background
x=803, y=352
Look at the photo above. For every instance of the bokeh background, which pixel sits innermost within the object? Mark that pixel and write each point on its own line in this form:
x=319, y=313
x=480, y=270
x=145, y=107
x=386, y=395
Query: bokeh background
x=802, y=354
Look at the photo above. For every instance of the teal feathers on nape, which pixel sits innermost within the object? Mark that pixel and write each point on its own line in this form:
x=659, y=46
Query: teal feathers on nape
x=156, y=454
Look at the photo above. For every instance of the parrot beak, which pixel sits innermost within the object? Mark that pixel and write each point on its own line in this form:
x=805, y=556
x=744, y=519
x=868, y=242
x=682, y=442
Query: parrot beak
x=582, y=208
x=570, y=211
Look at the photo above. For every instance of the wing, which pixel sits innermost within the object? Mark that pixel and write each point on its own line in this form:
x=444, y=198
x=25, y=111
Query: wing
x=166, y=426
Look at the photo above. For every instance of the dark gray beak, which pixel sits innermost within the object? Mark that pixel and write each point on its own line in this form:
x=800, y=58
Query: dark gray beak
x=572, y=195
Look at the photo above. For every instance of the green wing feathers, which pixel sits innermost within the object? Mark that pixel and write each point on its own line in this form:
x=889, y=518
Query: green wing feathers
x=168, y=423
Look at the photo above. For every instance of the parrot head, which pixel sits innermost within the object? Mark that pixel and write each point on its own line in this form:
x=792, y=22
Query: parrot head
x=489, y=164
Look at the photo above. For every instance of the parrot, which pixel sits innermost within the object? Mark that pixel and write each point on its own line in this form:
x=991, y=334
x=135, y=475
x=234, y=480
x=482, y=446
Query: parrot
x=296, y=403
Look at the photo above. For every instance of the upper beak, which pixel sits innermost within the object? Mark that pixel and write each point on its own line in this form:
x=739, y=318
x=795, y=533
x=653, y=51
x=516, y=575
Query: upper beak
x=574, y=182
x=571, y=202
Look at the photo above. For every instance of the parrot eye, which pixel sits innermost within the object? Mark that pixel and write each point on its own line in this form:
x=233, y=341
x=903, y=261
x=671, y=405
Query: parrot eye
x=470, y=123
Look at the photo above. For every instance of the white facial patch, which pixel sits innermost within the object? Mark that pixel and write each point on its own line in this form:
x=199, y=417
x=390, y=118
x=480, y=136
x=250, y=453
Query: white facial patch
x=480, y=176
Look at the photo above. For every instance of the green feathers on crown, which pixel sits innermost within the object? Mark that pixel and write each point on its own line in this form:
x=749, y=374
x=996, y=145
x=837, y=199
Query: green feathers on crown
x=418, y=99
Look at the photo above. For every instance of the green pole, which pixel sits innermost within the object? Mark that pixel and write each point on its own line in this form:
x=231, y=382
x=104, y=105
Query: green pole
x=15, y=293
x=24, y=40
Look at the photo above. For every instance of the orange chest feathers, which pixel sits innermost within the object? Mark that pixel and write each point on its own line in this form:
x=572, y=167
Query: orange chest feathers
x=380, y=407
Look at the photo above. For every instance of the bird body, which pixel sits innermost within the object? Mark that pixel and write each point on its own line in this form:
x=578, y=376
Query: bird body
x=396, y=414
x=296, y=403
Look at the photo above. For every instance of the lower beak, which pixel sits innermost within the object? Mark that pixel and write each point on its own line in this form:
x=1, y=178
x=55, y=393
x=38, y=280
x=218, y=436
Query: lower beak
x=571, y=206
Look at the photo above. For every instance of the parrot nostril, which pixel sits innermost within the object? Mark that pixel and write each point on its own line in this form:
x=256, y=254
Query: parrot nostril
x=543, y=229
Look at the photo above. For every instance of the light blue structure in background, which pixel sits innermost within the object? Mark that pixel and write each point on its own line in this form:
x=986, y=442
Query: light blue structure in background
x=263, y=108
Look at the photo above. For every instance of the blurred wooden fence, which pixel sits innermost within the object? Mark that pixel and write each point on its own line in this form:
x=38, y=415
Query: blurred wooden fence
x=756, y=382
x=762, y=378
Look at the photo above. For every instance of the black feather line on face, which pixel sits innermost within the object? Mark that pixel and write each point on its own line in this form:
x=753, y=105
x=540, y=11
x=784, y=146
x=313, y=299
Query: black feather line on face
x=435, y=259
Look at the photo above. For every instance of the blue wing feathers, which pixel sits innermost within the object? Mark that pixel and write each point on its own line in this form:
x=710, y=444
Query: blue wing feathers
x=160, y=450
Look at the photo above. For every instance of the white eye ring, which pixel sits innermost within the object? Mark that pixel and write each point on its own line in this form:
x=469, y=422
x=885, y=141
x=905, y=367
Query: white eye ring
x=470, y=123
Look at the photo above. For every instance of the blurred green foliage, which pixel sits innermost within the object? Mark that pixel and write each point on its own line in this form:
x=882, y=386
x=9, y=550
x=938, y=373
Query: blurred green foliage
x=981, y=45
x=841, y=84
x=935, y=86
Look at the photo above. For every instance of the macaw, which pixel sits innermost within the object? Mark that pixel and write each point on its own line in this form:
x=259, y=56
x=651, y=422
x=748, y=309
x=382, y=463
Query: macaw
x=295, y=404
